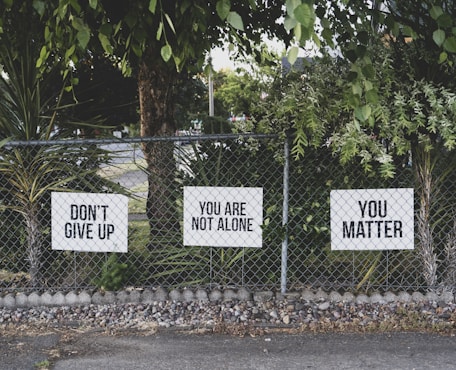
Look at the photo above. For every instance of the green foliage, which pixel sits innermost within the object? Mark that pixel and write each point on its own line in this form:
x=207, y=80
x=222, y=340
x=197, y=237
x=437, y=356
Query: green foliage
x=400, y=104
x=425, y=114
x=215, y=125
x=426, y=27
x=240, y=162
x=372, y=108
x=114, y=274
x=309, y=102
x=320, y=111
x=102, y=91
x=191, y=266
x=178, y=32
x=42, y=364
x=238, y=92
x=181, y=32
x=191, y=100
x=32, y=108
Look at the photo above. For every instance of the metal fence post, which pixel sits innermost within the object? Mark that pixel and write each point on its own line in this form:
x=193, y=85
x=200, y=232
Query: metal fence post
x=286, y=173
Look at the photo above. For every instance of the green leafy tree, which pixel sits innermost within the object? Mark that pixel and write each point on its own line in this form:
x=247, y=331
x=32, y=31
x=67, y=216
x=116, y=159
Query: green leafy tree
x=102, y=91
x=412, y=118
x=155, y=40
x=348, y=27
x=191, y=100
x=239, y=91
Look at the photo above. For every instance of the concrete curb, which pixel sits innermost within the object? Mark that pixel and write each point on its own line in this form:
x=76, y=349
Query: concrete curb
x=147, y=296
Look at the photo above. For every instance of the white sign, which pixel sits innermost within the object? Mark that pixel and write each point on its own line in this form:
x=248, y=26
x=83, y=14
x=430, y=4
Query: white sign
x=89, y=222
x=372, y=219
x=223, y=216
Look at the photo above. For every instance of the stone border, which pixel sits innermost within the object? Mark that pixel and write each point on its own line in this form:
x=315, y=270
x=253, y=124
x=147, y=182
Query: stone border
x=148, y=296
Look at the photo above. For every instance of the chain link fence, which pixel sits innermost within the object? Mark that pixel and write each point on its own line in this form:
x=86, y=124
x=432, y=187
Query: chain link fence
x=214, y=235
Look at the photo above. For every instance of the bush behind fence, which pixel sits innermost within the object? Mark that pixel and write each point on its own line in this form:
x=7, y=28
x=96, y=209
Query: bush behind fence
x=156, y=255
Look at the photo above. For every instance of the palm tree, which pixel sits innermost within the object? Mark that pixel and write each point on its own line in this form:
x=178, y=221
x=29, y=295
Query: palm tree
x=31, y=112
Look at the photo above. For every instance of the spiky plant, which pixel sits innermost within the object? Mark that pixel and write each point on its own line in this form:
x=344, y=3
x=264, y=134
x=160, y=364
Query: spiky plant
x=31, y=111
x=449, y=282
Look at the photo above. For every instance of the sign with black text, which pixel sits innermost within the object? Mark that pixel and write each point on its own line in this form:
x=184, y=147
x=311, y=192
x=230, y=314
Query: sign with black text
x=372, y=219
x=89, y=222
x=223, y=216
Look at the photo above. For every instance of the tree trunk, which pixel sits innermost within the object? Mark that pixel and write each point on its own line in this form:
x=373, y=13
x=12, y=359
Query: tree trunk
x=423, y=164
x=449, y=280
x=34, y=245
x=155, y=85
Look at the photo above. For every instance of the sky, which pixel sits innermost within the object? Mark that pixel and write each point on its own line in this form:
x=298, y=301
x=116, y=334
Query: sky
x=221, y=58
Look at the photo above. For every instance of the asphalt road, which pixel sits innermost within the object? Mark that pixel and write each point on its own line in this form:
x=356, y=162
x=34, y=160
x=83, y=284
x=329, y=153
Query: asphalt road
x=169, y=350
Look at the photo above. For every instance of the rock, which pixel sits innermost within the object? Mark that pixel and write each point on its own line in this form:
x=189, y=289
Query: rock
x=229, y=295
x=215, y=295
x=201, y=295
x=307, y=295
x=404, y=297
x=335, y=297
x=84, y=297
x=135, y=296
x=431, y=296
x=104, y=310
x=188, y=295
x=46, y=299
x=445, y=296
x=147, y=296
x=348, y=297
x=417, y=297
x=244, y=295
x=323, y=306
x=72, y=298
x=34, y=300
x=321, y=295
x=377, y=298
x=9, y=301
x=58, y=299
x=161, y=294
x=263, y=296
x=175, y=295
x=274, y=314
x=21, y=300
x=362, y=299
x=390, y=297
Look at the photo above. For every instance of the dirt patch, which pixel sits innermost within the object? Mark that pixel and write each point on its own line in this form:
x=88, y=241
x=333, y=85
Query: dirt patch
x=36, y=347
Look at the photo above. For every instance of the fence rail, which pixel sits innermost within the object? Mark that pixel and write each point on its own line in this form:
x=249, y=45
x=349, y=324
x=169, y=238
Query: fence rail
x=295, y=249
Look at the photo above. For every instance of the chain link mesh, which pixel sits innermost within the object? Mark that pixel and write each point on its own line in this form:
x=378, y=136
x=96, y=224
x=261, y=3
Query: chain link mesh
x=154, y=174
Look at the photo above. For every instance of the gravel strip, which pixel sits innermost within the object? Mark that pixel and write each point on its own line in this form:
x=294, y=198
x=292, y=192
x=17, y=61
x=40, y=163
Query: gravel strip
x=246, y=316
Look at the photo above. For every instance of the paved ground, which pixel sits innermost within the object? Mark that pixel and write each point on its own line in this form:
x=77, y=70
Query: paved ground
x=170, y=350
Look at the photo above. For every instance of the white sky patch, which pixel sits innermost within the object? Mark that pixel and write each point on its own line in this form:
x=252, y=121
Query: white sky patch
x=222, y=58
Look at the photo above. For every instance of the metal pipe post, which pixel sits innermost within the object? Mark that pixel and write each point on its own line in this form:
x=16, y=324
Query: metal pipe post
x=286, y=173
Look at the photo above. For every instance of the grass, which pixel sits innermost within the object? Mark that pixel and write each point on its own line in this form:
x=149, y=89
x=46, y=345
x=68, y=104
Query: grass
x=14, y=277
x=42, y=365
x=119, y=169
x=135, y=205
x=138, y=232
x=138, y=205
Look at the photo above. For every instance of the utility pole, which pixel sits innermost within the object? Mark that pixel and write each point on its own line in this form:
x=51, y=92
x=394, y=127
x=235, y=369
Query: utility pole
x=211, y=90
